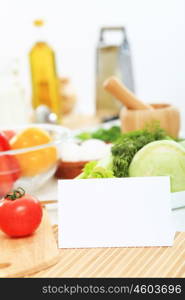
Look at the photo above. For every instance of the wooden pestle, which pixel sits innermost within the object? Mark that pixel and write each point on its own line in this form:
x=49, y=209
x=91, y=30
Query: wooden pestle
x=126, y=97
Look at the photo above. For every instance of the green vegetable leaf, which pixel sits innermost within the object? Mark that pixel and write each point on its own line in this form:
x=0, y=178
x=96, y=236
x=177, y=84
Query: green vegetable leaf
x=100, y=169
x=107, y=135
x=100, y=172
x=87, y=170
x=84, y=136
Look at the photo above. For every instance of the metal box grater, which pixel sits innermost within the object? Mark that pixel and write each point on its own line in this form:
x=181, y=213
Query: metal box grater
x=112, y=59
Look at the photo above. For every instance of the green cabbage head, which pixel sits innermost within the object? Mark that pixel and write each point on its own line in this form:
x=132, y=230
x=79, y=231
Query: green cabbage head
x=161, y=158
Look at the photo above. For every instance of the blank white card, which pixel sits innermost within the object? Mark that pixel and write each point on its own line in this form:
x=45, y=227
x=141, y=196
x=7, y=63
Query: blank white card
x=115, y=212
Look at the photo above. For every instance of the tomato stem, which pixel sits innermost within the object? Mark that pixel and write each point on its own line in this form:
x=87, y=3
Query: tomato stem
x=18, y=193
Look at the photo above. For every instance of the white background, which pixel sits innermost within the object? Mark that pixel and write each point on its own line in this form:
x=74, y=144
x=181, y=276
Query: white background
x=156, y=31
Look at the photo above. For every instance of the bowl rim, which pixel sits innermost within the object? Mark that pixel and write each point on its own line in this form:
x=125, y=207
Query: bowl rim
x=66, y=132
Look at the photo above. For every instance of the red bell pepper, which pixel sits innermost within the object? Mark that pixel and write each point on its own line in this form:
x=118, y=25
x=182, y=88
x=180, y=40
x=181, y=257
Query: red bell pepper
x=9, y=167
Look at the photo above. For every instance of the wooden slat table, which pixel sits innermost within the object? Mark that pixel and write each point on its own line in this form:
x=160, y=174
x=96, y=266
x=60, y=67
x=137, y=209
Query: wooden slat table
x=120, y=262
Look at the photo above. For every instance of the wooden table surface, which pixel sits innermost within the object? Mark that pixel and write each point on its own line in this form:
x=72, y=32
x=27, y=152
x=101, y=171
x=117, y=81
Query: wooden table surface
x=120, y=262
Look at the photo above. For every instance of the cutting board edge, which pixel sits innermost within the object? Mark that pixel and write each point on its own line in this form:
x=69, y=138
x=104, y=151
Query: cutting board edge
x=39, y=268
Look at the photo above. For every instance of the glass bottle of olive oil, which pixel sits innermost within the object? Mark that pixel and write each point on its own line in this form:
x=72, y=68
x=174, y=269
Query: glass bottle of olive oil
x=45, y=84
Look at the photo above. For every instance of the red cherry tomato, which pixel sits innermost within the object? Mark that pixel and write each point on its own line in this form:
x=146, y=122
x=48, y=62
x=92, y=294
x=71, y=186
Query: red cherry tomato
x=20, y=214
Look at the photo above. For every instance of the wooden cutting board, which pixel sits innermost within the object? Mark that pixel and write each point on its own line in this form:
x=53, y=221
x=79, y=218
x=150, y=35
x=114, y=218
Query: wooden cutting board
x=121, y=262
x=24, y=256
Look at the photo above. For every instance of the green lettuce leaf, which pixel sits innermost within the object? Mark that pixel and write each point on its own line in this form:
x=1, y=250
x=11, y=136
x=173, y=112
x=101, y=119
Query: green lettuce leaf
x=87, y=170
x=100, y=169
x=100, y=172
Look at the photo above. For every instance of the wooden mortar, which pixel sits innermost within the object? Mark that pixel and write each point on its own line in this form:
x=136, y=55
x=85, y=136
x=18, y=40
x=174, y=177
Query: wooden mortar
x=136, y=114
x=167, y=115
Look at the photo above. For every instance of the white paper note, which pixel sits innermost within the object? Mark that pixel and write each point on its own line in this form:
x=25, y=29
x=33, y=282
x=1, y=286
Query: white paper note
x=115, y=212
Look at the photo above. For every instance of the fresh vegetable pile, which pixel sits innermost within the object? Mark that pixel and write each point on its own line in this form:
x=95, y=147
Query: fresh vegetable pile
x=147, y=152
x=122, y=152
x=129, y=144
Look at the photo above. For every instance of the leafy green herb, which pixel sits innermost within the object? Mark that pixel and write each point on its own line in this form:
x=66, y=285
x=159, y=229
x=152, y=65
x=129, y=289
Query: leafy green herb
x=107, y=135
x=84, y=136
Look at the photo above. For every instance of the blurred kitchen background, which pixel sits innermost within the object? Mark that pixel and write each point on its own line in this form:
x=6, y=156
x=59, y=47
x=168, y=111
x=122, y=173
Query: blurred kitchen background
x=156, y=34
